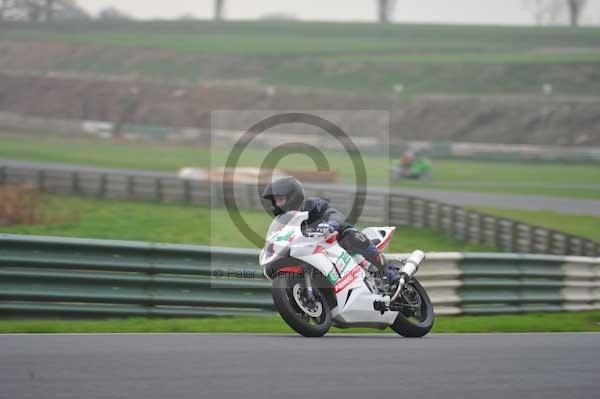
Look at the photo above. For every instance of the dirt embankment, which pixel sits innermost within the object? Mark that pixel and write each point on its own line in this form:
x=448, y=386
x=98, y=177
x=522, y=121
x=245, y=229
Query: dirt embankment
x=511, y=120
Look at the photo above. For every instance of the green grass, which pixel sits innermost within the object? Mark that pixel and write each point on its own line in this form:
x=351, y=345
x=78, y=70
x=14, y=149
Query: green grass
x=139, y=221
x=501, y=177
x=585, y=226
x=476, y=58
x=305, y=37
x=365, y=58
x=535, y=322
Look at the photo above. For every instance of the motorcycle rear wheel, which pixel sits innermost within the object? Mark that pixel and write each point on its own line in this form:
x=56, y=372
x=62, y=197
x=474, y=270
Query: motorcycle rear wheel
x=306, y=318
x=416, y=325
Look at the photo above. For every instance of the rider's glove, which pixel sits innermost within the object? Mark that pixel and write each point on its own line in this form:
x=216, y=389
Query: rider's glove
x=334, y=225
x=325, y=228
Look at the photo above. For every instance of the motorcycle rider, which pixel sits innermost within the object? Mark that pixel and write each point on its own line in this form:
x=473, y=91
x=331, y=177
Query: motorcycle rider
x=287, y=194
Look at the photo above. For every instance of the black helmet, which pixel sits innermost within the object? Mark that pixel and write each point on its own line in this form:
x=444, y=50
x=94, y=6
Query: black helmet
x=288, y=187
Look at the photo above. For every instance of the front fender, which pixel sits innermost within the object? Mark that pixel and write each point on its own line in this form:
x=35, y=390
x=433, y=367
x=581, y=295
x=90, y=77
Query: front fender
x=296, y=266
x=287, y=264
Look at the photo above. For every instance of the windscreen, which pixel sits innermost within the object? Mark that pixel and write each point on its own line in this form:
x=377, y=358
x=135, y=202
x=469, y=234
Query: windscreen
x=288, y=218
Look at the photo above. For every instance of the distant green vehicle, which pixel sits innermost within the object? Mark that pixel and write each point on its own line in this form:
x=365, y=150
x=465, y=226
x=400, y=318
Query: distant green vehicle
x=418, y=169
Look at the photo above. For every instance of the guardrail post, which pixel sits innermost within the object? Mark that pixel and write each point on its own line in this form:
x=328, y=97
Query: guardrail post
x=514, y=237
x=449, y=220
x=546, y=242
x=75, y=182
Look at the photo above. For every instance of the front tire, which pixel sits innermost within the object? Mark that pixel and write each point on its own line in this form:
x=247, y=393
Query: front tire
x=307, y=319
x=415, y=324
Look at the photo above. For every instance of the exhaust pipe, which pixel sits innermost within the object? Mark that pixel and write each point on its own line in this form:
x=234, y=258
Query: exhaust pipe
x=411, y=265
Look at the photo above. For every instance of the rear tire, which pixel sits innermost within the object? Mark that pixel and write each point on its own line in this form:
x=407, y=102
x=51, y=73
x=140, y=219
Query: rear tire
x=408, y=327
x=287, y=297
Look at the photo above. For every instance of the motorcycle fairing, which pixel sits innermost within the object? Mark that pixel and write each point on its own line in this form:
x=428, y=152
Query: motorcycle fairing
x=354, y=298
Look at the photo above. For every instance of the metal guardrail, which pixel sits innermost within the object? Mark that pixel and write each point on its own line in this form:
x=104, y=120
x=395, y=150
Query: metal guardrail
x=381, y=207
x=40, y=275
x=54, y=276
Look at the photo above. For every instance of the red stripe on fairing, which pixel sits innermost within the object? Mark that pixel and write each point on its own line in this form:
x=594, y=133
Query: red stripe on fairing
x=347, y=279
x=291, y=269
x=333, y=238
x=385, y=242
x=319, y=250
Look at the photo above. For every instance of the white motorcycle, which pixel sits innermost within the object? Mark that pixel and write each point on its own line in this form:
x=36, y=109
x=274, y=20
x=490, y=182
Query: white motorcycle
x=317, y=284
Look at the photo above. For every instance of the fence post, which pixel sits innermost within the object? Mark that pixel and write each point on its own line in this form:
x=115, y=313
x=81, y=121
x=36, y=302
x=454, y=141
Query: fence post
x=438, y=217
x=41, y=177
x=187, y=192
x=75, y=182
x=480, y=228
x=386, y=209
x=130, y=187
x=158, y=185
x=531, y=245
x=455, y=222
x=547, y=242
x=102, y=188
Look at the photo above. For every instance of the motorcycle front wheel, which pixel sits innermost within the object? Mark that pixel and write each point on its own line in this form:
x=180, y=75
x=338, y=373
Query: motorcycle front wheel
x=310, y=317
x=417, y=318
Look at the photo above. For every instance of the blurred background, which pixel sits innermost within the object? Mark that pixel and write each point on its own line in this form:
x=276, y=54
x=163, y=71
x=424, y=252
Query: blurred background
x=491, y=116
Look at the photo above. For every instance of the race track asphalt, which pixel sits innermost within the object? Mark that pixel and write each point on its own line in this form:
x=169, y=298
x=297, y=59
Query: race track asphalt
x=288, y=366
x=575, y=206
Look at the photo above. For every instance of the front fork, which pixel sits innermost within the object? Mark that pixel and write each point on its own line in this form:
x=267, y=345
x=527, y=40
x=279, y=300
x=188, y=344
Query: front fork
x=309, y=288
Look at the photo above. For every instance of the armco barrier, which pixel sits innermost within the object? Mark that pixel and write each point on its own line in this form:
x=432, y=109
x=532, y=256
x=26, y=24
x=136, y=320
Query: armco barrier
x=54, y=276
x=381, y=207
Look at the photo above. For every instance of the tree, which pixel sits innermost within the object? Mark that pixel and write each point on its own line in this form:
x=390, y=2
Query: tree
x=33, y=10
x=112, y=14
x=41, y=10
x=219, y=7
x=69, y=9
x=385, y=9
x=545, y=12
x=548, y=12
x=6, y=6
x=49, y=9
x=575, y=9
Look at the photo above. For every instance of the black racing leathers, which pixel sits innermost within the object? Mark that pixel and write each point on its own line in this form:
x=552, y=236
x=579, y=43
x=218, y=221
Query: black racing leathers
x=352, y=240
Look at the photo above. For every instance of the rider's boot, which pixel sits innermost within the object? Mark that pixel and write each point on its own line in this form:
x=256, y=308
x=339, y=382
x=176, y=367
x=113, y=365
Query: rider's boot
x=388, y=271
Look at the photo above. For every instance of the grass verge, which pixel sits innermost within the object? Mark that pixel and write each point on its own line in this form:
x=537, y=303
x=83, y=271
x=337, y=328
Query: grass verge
x=535, y=322
x=141, y=221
